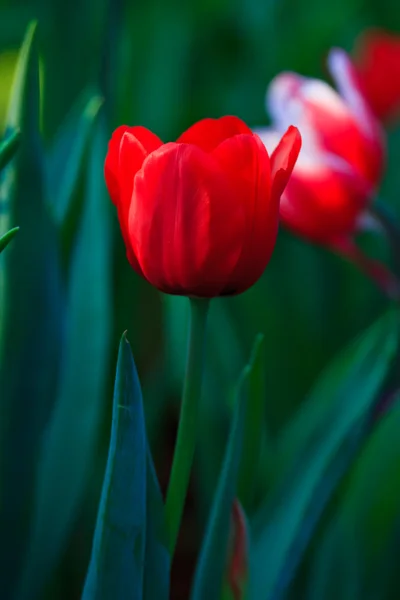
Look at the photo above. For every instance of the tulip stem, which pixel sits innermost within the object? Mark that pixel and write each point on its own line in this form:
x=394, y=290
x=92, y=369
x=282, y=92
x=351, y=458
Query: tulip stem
x=389, y=223
x=187, y=429
x=376, y=271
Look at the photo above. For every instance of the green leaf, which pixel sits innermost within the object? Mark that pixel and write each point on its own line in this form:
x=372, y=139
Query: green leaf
x=25, y=83
x=369, y=509
x=65, y=158
x=69, y=446
x=360, y=544
x=254, y=422
x=8, y=148
x=211, y=565
x=336, y=574
x=341, y=378
x=286, y=522
x=31, y=315
x=7, y=237
x=157, y=558
x=117, y=562
x=383, y=581
x=376, y=507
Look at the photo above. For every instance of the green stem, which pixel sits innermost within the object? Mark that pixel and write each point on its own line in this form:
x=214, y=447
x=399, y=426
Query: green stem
x=187, y=429
x=389, y=222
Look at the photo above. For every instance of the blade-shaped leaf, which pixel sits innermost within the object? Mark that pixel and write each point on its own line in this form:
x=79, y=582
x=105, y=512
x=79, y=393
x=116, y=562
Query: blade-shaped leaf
x=30, y=317
x=375, y=508
x=339, y=378
x=383, y=581
x=253, y=428
x=363, y=536
x=336, y=574
x=369, y=510
x=284, y=525
x=70, y=442
x=212, y=561
x=7, y=237
x=157, y=558
x=65, y=158
x=8, y=148
x=117, y=562
x=236, y=576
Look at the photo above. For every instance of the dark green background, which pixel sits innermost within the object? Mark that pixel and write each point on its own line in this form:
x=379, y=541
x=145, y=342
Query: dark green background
x=164, y=65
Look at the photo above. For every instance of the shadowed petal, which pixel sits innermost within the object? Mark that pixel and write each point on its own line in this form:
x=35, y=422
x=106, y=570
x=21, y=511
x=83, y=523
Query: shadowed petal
x=186, y=222
x=209, y=133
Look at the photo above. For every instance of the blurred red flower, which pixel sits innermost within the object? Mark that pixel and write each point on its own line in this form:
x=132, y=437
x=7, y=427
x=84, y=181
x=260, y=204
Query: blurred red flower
x=199, y=217
x=341, y=160
x=377, y=62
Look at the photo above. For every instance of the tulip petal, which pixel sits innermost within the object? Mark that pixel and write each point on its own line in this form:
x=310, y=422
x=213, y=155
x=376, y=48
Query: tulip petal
x=178, y=225
x=323, y=201
x=378, y=68
x=315, y=108
x=111, y=164
x=148, y=142
x=246, y=160
x=131, y=157
x=283, y=159
x=209, y=133
x=347, y=83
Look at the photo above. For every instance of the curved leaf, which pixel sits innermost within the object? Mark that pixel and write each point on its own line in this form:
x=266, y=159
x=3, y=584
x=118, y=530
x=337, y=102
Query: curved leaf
x=341, y=378
x=8, y=148
x=7, y=237
x=65, y=157
x=368, y=513
x=285, y=524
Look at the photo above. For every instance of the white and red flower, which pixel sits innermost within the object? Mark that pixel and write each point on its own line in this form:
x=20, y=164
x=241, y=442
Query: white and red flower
x=342, y=156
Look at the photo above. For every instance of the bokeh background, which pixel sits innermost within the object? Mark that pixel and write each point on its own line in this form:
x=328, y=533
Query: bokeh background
x=163, y=65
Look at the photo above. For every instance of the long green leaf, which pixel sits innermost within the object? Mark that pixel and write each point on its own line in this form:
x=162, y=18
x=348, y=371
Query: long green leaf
x=340, y=378
x=254, y=424
x=369, y=510
x=31, y=315
x=157, y=557
x=284, y=526
x=65, y=157
x=116, y=567
x=336, y=570
x=71, y=438
x=212, y=561
x=7, y=237
x=8, y=148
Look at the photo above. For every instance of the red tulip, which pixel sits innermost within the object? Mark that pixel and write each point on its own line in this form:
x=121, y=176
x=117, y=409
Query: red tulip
x=199, y=217
x=341, y=159
x=377, y=61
